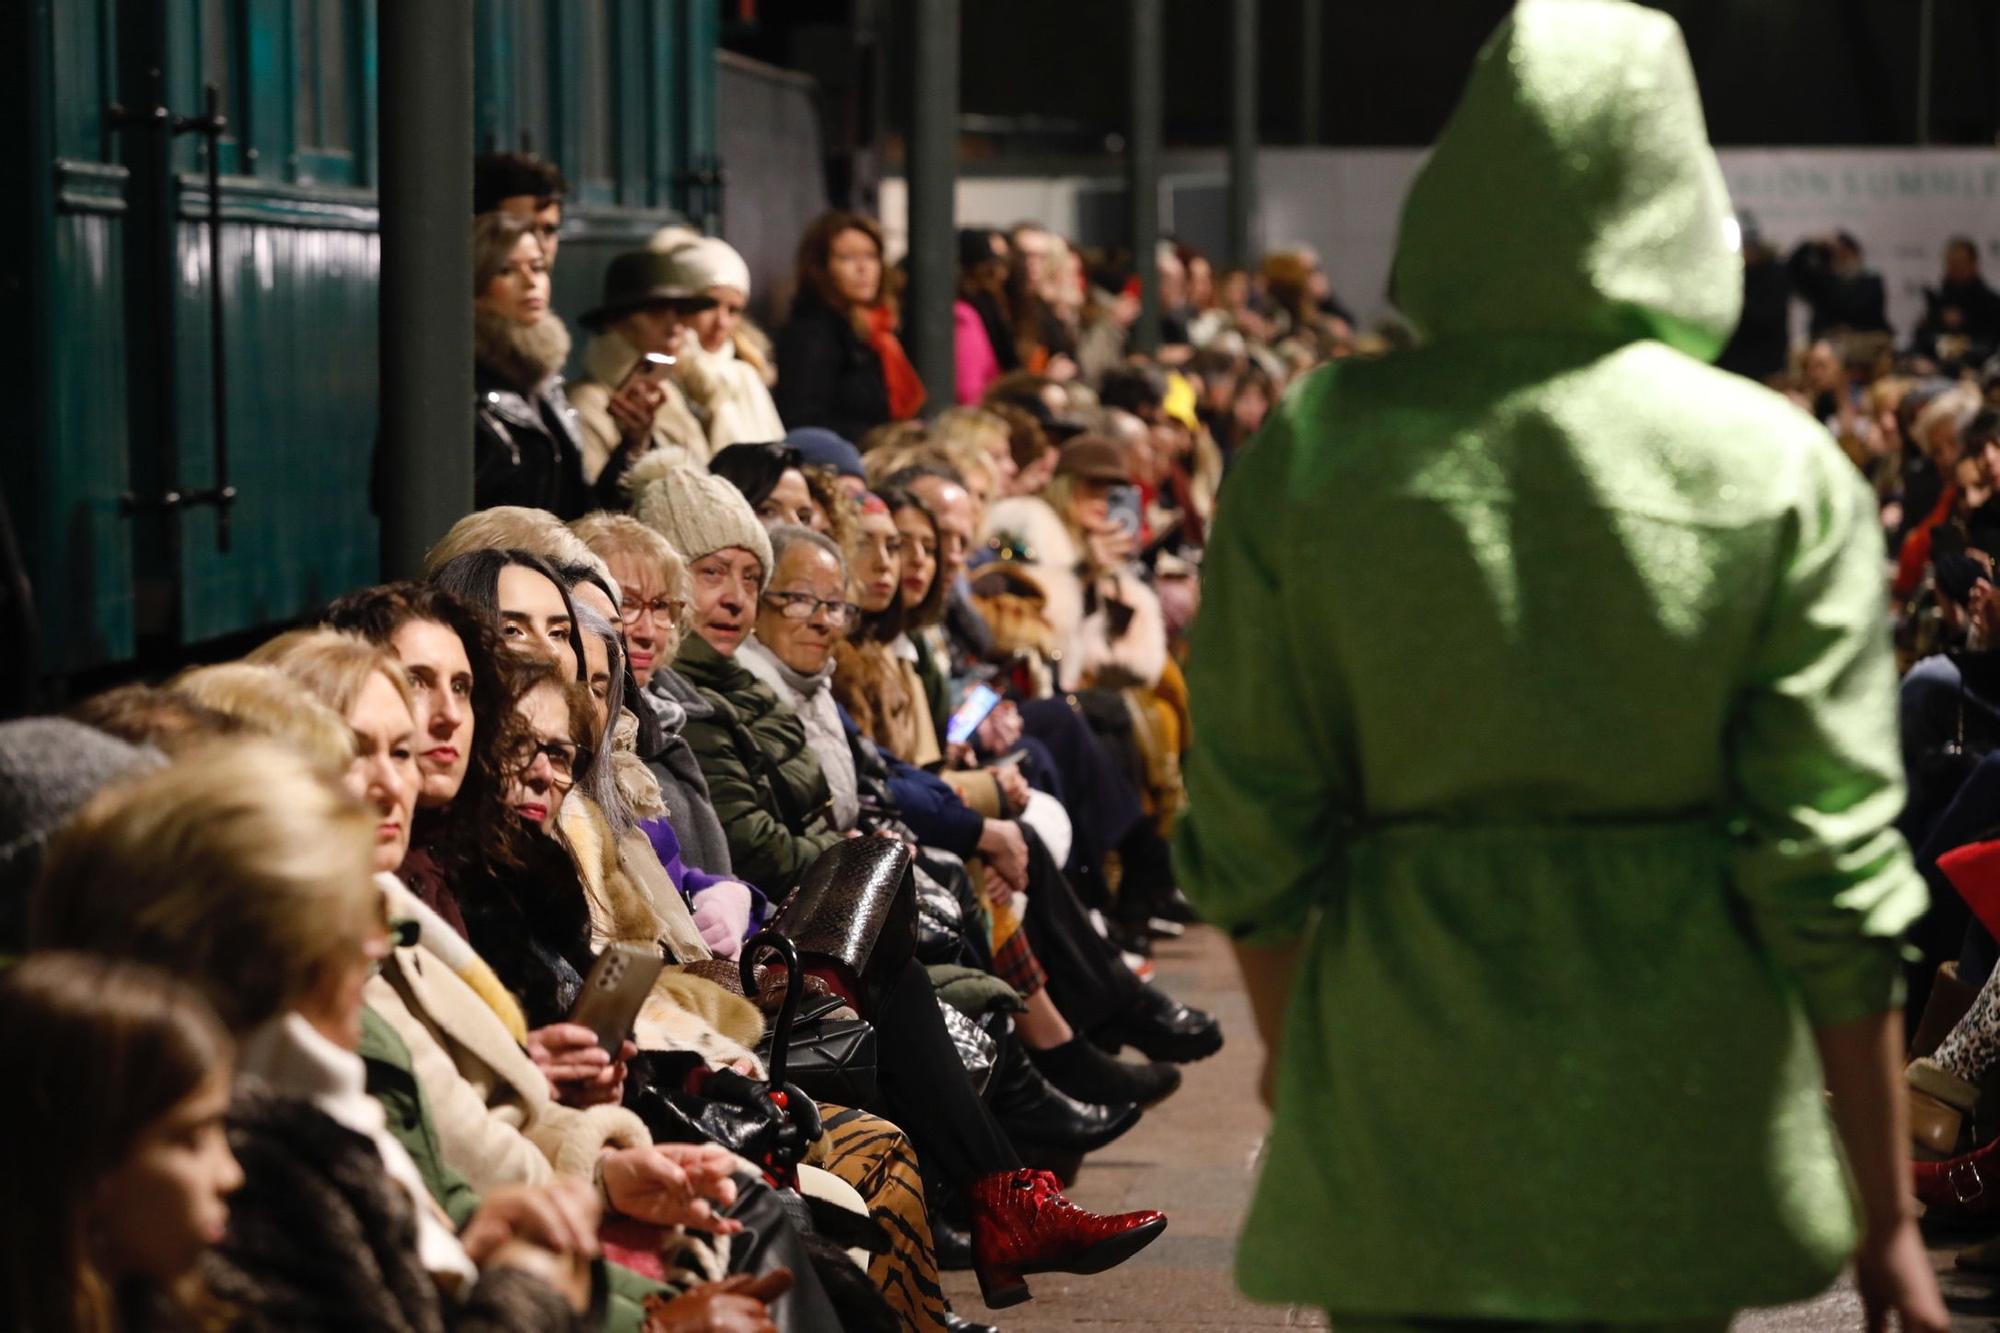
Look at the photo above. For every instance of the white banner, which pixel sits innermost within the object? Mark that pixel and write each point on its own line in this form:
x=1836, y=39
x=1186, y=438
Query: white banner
x=1901, y=203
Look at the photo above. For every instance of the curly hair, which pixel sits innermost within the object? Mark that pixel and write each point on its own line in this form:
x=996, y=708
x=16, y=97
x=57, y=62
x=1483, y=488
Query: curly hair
x=477, y=828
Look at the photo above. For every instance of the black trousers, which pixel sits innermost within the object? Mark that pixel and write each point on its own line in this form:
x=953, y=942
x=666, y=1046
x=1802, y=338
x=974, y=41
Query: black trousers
x=1103, y=805
x=1088, y=981
x=924, y=1085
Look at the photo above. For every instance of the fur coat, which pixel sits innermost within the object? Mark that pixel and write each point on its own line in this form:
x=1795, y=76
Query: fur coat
x=1113, y=634
x=321, y=1238
x=677, y=1015
x=881, y=692
x=728, y=388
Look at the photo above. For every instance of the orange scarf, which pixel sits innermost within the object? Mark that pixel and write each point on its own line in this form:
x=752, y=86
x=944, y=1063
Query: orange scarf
x=906, y=391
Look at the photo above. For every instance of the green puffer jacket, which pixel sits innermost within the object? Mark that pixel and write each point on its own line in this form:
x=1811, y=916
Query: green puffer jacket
x=767, y=788
x=1542, y=693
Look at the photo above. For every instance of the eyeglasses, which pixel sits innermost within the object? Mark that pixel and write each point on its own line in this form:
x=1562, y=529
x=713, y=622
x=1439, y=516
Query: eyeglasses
x=803, y=605
x=665, y=611
x=564, y=759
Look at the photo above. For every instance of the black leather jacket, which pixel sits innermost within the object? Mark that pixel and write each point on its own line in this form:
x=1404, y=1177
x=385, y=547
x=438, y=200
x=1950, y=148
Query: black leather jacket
x=527, y=450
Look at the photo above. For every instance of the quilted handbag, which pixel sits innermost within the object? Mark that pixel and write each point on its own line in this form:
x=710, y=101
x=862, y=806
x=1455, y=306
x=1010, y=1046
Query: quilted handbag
x=828, y=1058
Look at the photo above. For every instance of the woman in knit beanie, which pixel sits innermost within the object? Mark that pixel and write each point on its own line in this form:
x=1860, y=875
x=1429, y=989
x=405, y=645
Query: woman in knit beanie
x=722, y=369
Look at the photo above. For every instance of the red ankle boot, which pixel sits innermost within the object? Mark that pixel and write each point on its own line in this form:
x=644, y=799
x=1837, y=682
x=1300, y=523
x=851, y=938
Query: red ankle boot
x=1022, y=1224
x=1965, y=1186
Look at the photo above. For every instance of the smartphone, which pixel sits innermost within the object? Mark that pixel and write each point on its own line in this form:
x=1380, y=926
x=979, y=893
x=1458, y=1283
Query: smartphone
x=980, y=701
x=653, y=365
x=1123, y=505
x=619, y=982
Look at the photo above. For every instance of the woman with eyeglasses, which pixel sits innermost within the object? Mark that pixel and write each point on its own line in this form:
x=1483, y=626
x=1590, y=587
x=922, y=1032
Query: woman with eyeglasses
x=656, y=615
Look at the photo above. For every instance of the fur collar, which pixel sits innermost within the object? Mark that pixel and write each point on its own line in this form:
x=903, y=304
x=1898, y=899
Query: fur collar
x=525, y=356
x=619, y=911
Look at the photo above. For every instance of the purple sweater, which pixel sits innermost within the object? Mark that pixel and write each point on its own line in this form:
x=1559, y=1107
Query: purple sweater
x=689, y=881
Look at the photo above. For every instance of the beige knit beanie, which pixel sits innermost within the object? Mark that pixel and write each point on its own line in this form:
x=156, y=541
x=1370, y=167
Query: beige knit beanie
x=696, y=511
x=712, y=262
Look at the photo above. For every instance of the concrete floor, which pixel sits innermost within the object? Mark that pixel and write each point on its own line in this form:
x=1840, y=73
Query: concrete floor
x=1195, y=1158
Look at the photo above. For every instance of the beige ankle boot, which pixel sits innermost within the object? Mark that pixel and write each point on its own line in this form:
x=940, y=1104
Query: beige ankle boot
x=1941, y=1105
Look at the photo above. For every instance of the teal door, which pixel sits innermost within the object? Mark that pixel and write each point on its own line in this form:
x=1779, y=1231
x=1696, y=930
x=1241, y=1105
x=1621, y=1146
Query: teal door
x=125, y=499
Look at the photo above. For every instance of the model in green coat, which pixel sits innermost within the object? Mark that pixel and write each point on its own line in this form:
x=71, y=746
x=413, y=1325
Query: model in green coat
x=1543, y=722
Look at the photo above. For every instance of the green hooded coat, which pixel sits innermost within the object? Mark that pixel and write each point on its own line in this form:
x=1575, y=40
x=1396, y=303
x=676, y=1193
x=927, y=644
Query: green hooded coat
x=1542, y=689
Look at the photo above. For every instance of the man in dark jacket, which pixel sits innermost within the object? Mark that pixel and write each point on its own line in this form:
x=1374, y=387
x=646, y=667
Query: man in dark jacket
x=1830, y=276
x=1961, y=314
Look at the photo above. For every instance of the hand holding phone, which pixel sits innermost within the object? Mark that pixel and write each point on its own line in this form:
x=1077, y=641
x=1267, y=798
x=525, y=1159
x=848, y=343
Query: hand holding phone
x=619, y=982
x=979, y=701
x=652, y=365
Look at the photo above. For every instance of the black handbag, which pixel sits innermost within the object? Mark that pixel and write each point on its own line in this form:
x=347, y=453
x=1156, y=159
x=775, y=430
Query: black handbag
x=830, y=1059
x=854, y=913
x=771, y=1124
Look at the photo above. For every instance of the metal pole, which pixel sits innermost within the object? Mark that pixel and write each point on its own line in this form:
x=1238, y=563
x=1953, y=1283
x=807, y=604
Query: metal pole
x=424, y=476
x=1926, y=55
x=933, y=179
x=1143, y=167
x=1311, y=40
x=1243, y=133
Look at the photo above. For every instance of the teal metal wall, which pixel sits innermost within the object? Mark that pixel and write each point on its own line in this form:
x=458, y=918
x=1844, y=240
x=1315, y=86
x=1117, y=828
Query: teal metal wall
x=112, y=254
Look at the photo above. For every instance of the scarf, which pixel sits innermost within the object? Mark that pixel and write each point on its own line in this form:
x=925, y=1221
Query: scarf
x=524, y=355
x=906, y=391
x=442, y=942
x=812, y=699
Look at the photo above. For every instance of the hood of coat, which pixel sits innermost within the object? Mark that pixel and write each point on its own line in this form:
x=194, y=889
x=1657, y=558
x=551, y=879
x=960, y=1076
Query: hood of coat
x=1573, y=191
x=719, y=677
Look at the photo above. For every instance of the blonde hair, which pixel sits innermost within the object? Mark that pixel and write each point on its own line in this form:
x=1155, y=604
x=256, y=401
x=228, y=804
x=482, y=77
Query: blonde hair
x=516, y=528
x=241, y=868
x=333, y=666
x=963, y=435
x=886, y=463
x=891, y=435
x=608, y=534
x=265, y=701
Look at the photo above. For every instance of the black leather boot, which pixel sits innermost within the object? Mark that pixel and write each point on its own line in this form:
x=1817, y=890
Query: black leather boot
x=1085, y=1072
x=1161, y=1027
x=1035, y=1114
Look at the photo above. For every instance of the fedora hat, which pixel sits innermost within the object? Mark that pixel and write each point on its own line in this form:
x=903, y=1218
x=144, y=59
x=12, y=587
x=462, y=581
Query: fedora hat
x=641, y=278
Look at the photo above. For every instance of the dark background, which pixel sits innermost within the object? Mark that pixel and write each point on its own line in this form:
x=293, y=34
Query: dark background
x=1050, y=75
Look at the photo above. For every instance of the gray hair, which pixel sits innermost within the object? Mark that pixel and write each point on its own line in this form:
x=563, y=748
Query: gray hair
x=787, y=535
x=600, y=784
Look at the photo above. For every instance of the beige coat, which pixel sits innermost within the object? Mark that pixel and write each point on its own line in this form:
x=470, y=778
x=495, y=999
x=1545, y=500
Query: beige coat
x=496, y=1121
x=607, y=359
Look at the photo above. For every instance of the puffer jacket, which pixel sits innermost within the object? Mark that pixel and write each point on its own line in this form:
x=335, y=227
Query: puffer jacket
x=763, y=778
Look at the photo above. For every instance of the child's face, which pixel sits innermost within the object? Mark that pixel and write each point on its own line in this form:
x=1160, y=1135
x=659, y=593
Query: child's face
x=156, y=1211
